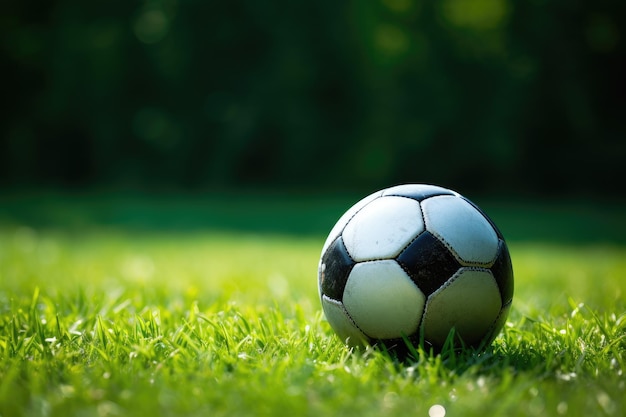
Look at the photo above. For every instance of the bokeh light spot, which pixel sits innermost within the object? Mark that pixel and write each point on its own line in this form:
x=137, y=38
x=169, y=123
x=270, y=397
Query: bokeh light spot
x=391, y=40
x=477, y=15
x=151, y=26
x=437, y=410
x=399, y=6
x=157, y=128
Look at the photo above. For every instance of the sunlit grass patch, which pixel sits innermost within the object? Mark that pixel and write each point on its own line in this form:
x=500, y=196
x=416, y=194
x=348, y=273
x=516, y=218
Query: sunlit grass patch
x=108, y=322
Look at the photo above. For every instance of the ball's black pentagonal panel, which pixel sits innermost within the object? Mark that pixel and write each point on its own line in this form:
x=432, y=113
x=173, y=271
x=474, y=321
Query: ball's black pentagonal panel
x=428, y=262
x=335, y=267
x=502, y=271
x=417, y=192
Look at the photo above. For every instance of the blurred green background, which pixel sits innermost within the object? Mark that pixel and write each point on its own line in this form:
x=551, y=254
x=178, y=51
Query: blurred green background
x=486, y=96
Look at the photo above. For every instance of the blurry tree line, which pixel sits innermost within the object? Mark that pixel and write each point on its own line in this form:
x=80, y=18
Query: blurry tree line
x=490, y=95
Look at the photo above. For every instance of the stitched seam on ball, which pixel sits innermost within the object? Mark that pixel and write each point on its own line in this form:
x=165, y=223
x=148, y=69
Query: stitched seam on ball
x=451, y=248
x=501, y=247
x=417, y=235
x=358, y=211
x=340, y=235
x=416, y=199
x=345, y=310
x=392, y=257
x=406, y=271
x=456, y=275
x=423, y=216
x=383, y=195
x=344, y=245
x=446, y=285
x=456, y=255
x=489, y=220
x=491, y=329
x=366, y=261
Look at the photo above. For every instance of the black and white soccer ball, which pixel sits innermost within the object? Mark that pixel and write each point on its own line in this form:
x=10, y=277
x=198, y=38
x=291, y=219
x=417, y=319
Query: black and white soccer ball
x=412, y=263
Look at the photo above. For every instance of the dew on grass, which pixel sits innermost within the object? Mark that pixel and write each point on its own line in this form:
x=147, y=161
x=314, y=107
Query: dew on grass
x=453, y=395
x=73, y=330
x=566, y=376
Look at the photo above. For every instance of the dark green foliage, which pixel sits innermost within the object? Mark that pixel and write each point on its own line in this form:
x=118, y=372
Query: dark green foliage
x=483, y=95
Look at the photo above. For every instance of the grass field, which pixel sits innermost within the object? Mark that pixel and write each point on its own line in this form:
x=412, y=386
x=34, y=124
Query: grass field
x=105, y=312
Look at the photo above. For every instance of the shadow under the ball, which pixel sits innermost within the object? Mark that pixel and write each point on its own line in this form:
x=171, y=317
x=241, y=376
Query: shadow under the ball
x=488, y=360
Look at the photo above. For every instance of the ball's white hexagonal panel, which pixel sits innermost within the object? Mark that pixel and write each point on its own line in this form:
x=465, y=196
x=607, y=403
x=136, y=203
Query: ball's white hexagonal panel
x=469, y=301
x=383, y=228
x=341, y=323
x=382, y=300
x=462, y=228
x=345, y=218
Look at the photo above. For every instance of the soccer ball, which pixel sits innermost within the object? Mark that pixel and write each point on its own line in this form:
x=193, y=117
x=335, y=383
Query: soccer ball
x=417, y=263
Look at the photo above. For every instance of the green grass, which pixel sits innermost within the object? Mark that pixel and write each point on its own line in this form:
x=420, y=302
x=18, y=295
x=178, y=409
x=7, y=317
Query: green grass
x=98, y=320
